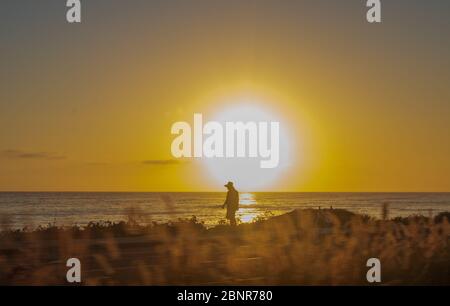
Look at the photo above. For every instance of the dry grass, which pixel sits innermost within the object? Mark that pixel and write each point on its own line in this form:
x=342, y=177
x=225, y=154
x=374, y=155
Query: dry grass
x=304, y=247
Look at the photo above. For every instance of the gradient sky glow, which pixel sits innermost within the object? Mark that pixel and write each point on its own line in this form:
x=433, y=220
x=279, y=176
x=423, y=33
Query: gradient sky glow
x=88, y=107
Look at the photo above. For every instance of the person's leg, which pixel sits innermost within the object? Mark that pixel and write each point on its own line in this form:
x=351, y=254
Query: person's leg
x=233, y=220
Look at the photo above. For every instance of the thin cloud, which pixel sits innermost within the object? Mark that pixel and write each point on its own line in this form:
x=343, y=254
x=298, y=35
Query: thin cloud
x=162, y=162
x=18, y=154
x=97, y=163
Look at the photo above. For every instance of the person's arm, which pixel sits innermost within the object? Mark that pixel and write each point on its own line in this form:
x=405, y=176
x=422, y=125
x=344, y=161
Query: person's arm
x=226, y=201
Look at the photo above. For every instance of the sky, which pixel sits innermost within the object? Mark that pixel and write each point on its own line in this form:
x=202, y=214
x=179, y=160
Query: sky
x=89, y=107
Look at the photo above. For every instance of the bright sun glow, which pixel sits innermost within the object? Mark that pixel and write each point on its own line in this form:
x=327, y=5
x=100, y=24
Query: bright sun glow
x=246, y=172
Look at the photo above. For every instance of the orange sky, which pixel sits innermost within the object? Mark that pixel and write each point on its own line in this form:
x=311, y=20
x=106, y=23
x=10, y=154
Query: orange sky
x=90, y=106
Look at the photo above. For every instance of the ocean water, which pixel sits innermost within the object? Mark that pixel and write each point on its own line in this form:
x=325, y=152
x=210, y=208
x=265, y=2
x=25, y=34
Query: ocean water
x=32, y=209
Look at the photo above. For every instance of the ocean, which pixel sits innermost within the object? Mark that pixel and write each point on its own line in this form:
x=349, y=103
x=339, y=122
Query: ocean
x=32, y=209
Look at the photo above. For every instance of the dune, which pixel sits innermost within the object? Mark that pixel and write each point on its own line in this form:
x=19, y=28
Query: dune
x=303, y=247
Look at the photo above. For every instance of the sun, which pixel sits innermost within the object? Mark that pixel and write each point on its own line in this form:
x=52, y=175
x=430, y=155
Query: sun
x=246, y=172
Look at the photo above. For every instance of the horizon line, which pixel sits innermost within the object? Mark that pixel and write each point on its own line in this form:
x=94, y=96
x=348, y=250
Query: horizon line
x=120, y=191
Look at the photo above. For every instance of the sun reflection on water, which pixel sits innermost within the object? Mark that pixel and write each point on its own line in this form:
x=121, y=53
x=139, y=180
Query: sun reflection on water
x=247, y=217
x=247, y=199
x=247, y=213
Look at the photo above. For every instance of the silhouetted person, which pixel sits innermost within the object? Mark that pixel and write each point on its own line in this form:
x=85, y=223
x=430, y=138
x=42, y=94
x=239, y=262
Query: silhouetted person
x=231, y=203
x=385, y=211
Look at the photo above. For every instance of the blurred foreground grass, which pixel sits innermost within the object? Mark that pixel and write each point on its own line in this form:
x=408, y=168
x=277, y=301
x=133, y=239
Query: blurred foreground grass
x=304, y=247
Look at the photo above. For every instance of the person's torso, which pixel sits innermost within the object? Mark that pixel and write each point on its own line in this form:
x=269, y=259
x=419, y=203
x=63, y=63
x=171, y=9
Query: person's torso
x=233, y=199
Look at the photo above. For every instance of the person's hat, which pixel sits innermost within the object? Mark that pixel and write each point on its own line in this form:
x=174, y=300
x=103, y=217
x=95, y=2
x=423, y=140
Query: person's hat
x=229, y=184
